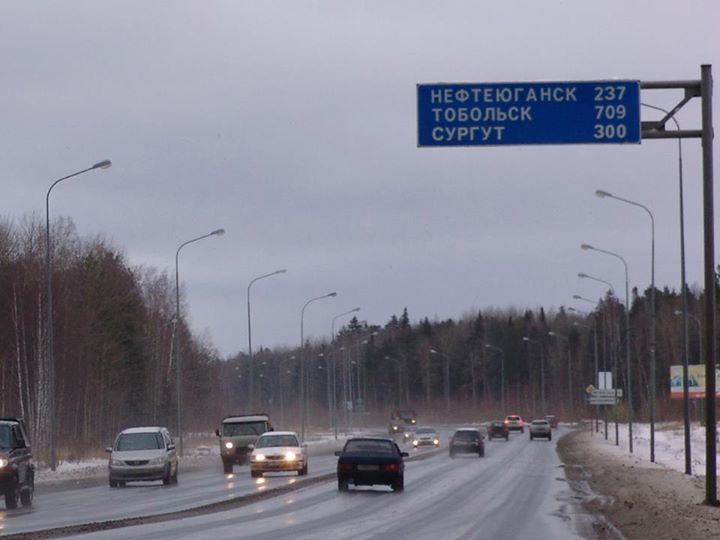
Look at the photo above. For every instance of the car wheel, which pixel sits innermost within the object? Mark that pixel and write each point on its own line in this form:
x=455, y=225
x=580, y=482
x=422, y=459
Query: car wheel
x=175, y=475
x=522, y=430
x=227, y=467
x=342, y=485
x=549, y=437
x=256, y=474
x=303, y=471
x=481, y=453
x=507, y=437
x=122, y=483
x=398, y=485
x=26, y=496
x=11, y=496
x=113, y=483
x=531, y=437
x=167, y=477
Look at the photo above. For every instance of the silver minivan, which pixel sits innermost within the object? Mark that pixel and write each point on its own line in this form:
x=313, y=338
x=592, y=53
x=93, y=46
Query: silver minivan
x=143, y=454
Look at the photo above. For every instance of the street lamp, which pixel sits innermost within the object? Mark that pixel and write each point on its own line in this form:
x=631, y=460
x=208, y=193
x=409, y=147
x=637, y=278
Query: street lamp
x=303, y=412
x=653, y=383
x=627, y=338
x=332, y=402
x=178, y=367
x=502, y=373
x=583, y=275
x=542, y=371
x=447, y=377
x=50, y=356
x=251, y=400
x=566, y=339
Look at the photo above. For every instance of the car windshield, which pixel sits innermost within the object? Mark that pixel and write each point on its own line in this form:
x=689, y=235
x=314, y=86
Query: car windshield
x=366, y=446
x=268, y=441
x=465, y=435
x=406, y=414
x=139, y=441
x=540, y=423
x=426, y=431
x=5, y=436
x=244, y=428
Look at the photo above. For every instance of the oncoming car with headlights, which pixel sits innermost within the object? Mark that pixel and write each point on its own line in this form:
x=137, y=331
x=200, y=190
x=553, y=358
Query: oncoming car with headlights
x=143, y=454
x=426, y=436
x=278, y=451
x=237, y=436
x=17, y=471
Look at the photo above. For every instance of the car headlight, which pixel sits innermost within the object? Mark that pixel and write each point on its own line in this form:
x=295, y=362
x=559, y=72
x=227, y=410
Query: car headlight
x=157, y=461
x=3, y=463
x=436, y=441
x=229, y=445
x=259, y=457
x=117, y=462
x=415, y=443
x=412, y=421
x=290, y=456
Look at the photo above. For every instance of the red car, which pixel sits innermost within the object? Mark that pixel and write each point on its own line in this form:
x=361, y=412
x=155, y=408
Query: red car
x=514, y=422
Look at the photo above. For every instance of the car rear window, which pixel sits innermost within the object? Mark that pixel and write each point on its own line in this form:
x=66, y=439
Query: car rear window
x=465, y=435
x=370, y=447
x=540, y=423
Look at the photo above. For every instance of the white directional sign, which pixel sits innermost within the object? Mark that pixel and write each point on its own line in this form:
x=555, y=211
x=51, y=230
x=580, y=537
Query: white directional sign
x=602, y=400
x=607, y=393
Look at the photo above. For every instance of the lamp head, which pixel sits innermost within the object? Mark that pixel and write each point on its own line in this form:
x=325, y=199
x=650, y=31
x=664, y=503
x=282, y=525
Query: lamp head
x=602, y=194
x=582, y=275
x=586, y=246
x=551, y=333
x=433, y=351
x=525, y=338
x=577, y=297
x=218, y=232
x=332, y=294
x=281, y=271
x=677, y=312
x=105, y=164
x=354, y=310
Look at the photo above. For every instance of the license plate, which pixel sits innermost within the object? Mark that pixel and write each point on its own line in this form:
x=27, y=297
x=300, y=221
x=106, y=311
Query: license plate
x=368, y=467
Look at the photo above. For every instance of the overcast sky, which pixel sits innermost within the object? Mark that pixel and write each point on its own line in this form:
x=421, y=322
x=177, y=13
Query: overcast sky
x=292, y=124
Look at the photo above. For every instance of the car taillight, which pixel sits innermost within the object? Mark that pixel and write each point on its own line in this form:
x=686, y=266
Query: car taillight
x=344, y=466
x=392, y=467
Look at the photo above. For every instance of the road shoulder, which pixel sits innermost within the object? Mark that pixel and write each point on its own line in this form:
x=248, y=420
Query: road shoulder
x=639, y=500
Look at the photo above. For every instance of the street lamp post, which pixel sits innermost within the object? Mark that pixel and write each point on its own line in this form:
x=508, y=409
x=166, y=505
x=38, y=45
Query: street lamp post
x=303, y=393
x=653, y=383
x=332, y=403
x=446, y=378
x=50, y=358
x=627, y=339
x=566, y=339
x=542, y=370
x=583, y=275
x=686, y=386
x=502, y=373
x=178, y=367
x=251, y=384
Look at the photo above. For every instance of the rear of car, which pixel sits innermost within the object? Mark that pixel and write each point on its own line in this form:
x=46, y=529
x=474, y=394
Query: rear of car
x=514, y=422
x=541, y=429
x=278, y=451
x=371, y=461
x=17, y=471
x=143, y=454
x=498, y=430
x=466, y=441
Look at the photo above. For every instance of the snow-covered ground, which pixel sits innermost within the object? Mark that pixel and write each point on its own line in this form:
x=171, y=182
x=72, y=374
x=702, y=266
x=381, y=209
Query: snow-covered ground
x=669, y=444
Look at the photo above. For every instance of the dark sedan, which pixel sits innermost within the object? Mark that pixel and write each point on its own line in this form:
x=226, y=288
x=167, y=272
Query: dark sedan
x=369, y=461
x=467, y=441
x=498, y=429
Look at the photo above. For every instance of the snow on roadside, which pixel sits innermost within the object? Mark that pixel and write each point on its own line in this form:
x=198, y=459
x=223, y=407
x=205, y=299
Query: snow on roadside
x=669, y=444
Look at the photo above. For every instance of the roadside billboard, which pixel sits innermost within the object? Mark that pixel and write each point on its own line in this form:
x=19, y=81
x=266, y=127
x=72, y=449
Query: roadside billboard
x=696, y=382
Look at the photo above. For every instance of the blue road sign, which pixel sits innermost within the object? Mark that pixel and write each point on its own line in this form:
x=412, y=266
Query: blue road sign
x=587, y=112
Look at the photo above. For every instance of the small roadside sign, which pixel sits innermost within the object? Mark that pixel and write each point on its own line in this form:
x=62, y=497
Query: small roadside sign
x=607, y=393
x=602, y=400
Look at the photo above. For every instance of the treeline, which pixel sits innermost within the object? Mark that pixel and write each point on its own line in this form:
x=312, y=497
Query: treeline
x=114, y=328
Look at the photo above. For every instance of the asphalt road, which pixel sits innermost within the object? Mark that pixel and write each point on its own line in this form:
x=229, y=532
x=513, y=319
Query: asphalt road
x=517, y=491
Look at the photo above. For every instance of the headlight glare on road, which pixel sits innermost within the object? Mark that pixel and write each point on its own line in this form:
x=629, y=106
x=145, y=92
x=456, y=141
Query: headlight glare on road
x=290, y=456
x=228, y=445
x=259, y=457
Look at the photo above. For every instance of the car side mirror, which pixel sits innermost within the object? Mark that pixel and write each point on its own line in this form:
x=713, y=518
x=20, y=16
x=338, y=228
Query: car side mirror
x=217, y=432
x=108, y=449
x=251, y=446
x=338, y=453
x=171, y=447
x=303, y=445
x=404, y=454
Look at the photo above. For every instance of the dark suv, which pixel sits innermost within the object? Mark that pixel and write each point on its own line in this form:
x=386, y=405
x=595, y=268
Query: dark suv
x=17, y=472
x=467, y=441
x=499, y=429
x=401, y=419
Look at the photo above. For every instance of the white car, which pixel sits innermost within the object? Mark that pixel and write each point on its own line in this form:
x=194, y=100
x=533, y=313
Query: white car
x=426, y=436
x=540, y=428
x=278, y=451
x=142, y=454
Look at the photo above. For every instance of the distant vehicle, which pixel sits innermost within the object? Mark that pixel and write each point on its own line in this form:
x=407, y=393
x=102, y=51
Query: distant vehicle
x=17, y=471
x=426, y=436
x=409, y=434
x=552, y=420
x=467, y=441
x=540, y=428
x=237, y=434
x=498, y=429
x=371, y=461
x=400, y=419
x=514, y=422
x=142, y=454
x=278, y=451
